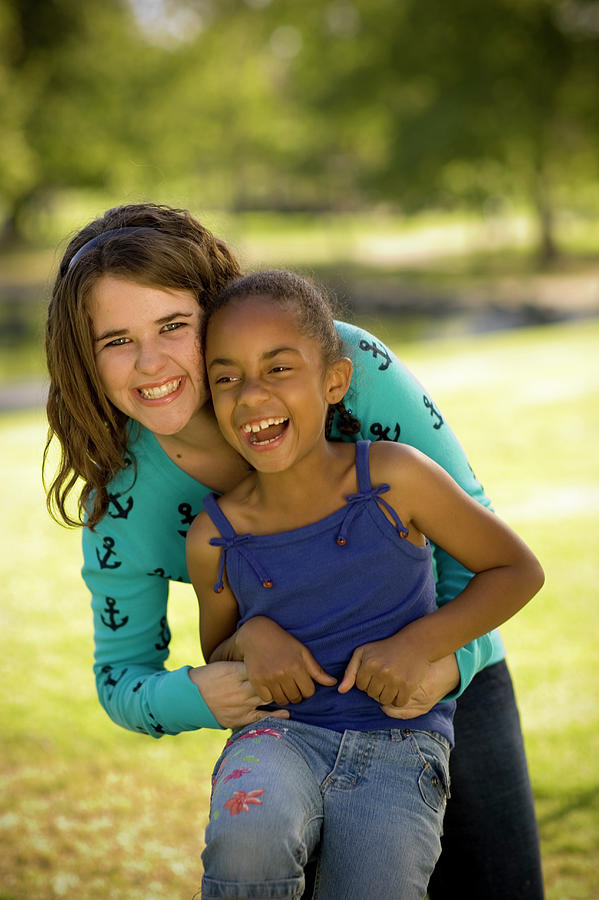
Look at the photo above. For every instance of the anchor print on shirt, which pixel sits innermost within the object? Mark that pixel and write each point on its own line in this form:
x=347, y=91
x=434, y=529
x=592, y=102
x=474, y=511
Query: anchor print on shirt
x=121, y=511
x=433, y=411
x=187, y=517
x=376, y=352
x=158, y=728
x=165, y=635
x=112, y=612
x=383, y=433
x=109, y=681
x=161, y=573
x=108, y=545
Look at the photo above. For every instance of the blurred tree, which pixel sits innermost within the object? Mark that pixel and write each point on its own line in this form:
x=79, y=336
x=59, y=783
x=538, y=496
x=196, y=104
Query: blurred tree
x=318, y=104
x=440, y=102
x=70, y=78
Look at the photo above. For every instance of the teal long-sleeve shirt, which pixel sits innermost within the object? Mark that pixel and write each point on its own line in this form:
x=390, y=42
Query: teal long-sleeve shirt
x=139, y=547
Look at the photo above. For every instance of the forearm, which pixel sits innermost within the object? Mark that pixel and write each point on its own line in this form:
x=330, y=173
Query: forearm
x=227, y=651
x=451, y=579
x=253, y=634
x=488, y=600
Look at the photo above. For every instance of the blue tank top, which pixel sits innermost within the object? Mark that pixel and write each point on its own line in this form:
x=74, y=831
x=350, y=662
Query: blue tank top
x=343, y=581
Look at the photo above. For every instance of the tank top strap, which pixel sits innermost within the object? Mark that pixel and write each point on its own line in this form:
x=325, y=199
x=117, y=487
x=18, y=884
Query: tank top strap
x=217, y=516
x=363, y=466
x=366, y=494
x=231, y=541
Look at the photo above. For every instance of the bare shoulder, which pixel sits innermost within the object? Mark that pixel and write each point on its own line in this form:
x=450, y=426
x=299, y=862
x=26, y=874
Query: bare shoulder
x=200, y=531
x=394, y=463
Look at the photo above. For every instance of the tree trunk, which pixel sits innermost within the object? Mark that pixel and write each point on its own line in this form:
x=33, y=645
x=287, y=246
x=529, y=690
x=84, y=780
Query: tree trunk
x=547, y=247
x=11, y=230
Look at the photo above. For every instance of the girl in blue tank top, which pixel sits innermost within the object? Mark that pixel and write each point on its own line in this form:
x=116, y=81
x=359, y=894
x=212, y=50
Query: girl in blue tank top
x=328, y=545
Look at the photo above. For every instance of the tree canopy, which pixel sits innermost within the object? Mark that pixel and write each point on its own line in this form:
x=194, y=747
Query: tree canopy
x=300, y=105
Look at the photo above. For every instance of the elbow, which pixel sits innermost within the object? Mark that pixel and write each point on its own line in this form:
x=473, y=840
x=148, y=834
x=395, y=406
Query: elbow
x=541, y=573
x=536, y=577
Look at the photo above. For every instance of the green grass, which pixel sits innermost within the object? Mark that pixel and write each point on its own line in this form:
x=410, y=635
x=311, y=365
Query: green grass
x=92, y=811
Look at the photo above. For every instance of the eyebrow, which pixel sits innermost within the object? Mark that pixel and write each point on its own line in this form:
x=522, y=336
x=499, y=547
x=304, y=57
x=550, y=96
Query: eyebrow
x=268, y=354
x=121, y=332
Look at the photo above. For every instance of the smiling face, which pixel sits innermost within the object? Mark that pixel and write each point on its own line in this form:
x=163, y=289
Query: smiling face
x=270, y=388
x=147, y=352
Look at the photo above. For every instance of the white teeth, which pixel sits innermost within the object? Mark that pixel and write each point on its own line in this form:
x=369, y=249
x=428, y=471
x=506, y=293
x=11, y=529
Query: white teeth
x=163, y=391
x=260, y=426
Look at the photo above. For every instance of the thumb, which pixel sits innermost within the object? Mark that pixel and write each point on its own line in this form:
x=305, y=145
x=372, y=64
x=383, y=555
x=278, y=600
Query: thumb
x=316, y=672
x=351, y=672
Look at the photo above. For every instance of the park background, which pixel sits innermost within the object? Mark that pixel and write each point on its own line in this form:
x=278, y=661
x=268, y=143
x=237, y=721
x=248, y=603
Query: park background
x=436, y=165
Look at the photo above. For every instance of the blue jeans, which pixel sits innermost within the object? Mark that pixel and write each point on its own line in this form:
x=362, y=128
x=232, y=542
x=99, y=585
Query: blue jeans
x=370, y=805
x=490, y=840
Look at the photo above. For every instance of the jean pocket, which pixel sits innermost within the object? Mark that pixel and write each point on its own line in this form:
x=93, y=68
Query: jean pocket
x=433, y=787
x=433, y=780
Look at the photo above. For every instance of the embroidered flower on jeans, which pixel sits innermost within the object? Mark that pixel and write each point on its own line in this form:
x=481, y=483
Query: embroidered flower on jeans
x=217, y=776
x=255, y=733
x=241, y=802
x=237, y=773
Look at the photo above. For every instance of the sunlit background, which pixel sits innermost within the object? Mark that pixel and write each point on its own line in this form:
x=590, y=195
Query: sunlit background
x=435, y=164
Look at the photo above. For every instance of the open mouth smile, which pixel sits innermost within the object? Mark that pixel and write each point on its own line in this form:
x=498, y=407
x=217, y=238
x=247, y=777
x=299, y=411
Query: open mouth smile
x=265, y=431
x=161, y=391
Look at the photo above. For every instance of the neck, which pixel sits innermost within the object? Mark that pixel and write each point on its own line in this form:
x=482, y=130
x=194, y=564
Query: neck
x=201, y=451
x=312, y=488
x=200, y=431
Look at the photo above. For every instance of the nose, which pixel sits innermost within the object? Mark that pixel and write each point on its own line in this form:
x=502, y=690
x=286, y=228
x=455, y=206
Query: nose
x=253, y=392
x=150, y=358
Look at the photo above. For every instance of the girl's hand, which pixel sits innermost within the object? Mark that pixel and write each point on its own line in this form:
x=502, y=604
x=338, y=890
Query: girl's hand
x=442, y=677
x=279, y=666
x=390, y=671
x=229, y=694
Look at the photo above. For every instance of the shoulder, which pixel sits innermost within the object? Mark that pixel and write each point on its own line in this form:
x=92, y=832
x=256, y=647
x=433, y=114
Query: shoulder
x=201, y=531
x=220, y=514
x=396, y=463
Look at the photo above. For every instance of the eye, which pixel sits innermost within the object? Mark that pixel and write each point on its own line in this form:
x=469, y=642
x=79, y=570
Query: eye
x=225, y=379
x=278, y=369
x=172, y=326
x=117, y=342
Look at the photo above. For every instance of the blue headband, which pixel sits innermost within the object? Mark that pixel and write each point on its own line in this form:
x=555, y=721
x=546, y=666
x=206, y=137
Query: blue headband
x=100, y=239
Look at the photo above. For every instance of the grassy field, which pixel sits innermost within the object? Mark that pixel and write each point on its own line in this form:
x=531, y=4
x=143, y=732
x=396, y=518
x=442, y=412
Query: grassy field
x=92, y=811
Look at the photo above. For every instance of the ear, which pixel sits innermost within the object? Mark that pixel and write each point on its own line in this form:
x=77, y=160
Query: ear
x=338, y=379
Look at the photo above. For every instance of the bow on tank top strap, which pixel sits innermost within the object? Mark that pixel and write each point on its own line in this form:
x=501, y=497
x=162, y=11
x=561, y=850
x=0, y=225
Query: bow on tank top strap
x=366, y=494
x=231, y=541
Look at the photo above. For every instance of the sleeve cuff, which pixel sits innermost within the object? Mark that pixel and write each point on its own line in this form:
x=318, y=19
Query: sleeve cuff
x=184, y=706
x=471, y=659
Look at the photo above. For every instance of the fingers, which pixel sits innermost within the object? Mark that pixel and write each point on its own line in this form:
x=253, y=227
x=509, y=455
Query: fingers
x=260, y=714
x=387, y=694
x=276, y=714
x=289, y=691
x=316, y=672
x=264, y=695
x=294, y=684
x=351, y=672
x=284, y=695
x=323, y=677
